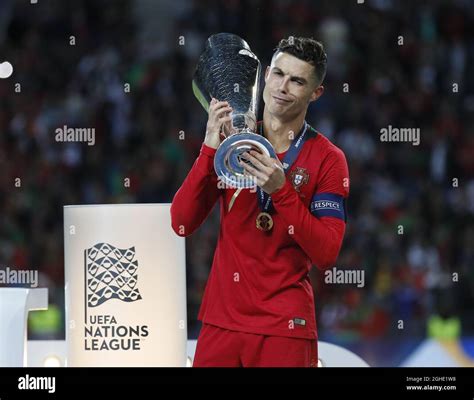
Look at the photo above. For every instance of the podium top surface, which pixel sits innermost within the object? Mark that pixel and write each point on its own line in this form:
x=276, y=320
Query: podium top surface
x=117, y=205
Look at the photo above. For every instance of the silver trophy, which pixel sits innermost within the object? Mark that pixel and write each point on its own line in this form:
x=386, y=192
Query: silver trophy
x=228, y=71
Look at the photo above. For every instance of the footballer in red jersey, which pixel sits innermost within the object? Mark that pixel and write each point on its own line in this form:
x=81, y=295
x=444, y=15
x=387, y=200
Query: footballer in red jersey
x=258, y=305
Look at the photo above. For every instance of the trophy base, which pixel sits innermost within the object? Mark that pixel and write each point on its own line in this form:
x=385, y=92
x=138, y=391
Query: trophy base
x=229, y=153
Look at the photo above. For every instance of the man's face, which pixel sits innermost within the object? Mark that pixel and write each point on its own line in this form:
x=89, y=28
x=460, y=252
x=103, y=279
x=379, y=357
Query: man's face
x=290, y=85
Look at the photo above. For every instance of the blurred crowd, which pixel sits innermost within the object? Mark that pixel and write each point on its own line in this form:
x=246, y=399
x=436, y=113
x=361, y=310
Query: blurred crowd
x=88, y=64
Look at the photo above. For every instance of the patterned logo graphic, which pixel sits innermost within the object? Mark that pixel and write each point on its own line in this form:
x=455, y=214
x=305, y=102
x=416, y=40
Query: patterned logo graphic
x=299, y=177
x=111, y=273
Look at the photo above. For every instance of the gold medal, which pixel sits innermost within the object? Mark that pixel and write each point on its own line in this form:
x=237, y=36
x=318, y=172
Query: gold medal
x=264, y=221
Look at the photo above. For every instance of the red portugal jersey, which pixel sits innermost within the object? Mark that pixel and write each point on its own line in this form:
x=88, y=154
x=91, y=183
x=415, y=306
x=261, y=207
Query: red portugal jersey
x=259, y=281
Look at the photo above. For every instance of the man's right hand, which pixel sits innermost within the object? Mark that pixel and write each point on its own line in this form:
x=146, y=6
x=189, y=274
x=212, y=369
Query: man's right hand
x=218, y=118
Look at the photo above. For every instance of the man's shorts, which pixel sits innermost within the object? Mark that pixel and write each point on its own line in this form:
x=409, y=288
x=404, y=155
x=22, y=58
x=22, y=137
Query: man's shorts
x=218, y=347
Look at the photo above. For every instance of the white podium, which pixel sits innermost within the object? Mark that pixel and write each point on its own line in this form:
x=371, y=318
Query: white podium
x=125, y=286
x=15, y=303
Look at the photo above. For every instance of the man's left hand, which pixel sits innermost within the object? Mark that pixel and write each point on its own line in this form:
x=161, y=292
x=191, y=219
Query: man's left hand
x=268, y=172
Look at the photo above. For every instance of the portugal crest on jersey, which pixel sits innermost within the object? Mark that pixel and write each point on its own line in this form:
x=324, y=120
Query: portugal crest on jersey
x=299, y=177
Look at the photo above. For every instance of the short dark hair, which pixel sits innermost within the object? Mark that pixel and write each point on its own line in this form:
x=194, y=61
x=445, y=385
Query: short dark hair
x=306, y=49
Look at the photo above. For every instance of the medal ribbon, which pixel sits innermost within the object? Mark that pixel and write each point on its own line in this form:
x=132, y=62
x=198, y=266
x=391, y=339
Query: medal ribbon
x=264, y=199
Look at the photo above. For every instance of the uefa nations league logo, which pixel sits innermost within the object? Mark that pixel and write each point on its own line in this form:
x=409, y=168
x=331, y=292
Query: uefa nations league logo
x=111, y=273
